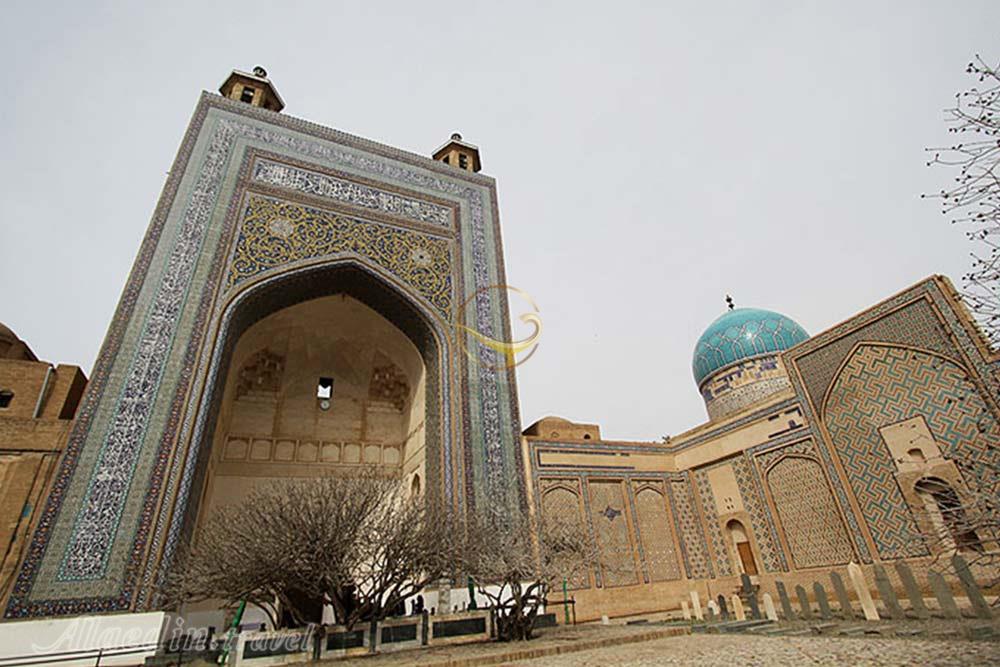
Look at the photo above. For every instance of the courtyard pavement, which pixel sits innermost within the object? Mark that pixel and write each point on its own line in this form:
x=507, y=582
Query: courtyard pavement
x=646, y=646
x=722, y=650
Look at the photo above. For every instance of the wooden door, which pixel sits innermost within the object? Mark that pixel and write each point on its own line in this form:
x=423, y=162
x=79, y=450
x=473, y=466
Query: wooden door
x=746, y=557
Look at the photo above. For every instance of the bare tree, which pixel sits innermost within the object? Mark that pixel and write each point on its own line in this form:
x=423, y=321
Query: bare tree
x=407, y=544
x=356, y=543
x=968, y=519
x=514, y=564
x=974, y=199
x=965, y=521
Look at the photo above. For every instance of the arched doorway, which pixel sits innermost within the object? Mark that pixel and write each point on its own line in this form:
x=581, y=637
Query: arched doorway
x=741, y=545
x=399, y=322
x=947, y=515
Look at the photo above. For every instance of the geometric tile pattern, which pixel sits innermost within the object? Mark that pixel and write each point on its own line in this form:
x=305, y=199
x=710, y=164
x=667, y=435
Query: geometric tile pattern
x=741, y=334
x=693, y=547
x=562, y=505
x=881, y=385
x=753, y=501
x=275, y=233
x=724, y=402
x=653, y=525
x=808, y=513
x=120, y=446
x=914, y=325
x=610, y=517
x=771, y=456
x=712, y=528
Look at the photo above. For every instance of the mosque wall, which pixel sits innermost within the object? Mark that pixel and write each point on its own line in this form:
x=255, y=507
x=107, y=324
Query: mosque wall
x=812, y=477
x=903, y=391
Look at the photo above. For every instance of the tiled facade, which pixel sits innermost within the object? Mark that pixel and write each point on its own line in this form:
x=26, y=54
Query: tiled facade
x=806, y=509
x=793, y=472
x=882, y=385
x=808, y=472
x=259, y=209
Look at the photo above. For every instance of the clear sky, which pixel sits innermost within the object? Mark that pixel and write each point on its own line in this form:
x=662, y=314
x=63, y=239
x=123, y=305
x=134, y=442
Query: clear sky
x=650, y=157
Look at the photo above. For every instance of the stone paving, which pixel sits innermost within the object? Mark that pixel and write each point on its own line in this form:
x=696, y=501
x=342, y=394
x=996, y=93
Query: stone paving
x=705, y=650
x=562, y=638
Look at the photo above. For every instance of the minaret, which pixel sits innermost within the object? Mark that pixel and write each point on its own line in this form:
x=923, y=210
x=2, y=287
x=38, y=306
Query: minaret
x=253, y=89
x=459, y=154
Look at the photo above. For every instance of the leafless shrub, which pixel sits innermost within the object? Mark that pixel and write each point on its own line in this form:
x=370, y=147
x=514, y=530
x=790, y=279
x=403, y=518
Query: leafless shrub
x=514, y=565
x=965, y=521
x=407, y=544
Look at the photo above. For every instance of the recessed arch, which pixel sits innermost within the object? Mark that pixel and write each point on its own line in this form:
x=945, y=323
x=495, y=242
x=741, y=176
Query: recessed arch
x=363, y=282
x=653, y=525
x=807, y=512
x=882, y=384
x=561, y=503
x=739, y=537
x=870, y=343
x=791, y=455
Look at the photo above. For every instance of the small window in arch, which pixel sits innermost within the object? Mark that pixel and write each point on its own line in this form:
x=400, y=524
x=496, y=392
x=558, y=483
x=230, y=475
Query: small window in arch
x=463, y=160
x=586, y=436
x=6, y=396
x=246, y=95
x=324, y=390
x=917, y=454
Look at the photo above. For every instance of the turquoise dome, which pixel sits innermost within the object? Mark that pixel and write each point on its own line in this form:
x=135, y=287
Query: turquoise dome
x=740, y=334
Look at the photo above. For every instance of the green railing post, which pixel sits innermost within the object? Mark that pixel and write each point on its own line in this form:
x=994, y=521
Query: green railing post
x=233, y=631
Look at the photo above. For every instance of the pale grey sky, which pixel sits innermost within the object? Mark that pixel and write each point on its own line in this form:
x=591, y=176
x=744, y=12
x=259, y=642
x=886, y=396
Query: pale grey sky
x=650, y=157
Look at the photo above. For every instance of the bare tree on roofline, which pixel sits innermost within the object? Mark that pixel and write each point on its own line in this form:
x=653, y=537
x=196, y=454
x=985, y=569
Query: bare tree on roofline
x=974, y=199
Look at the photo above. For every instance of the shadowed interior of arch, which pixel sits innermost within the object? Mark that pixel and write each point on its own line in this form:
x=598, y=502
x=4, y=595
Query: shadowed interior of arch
x=265, y=417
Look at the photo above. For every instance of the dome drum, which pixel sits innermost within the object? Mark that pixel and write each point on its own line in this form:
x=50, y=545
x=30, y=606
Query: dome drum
x=736, y=361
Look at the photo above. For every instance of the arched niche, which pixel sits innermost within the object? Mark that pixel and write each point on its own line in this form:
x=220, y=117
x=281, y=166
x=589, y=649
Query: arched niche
x=348, y=279
x=740, y=539
x=808, y=513
x=880, y=386
x=317, y=388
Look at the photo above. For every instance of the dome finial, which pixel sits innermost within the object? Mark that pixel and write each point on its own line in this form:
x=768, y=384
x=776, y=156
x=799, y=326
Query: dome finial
x=729, y=302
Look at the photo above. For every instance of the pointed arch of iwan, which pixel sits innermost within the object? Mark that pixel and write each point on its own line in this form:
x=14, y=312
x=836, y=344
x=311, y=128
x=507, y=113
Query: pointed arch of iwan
x=358, y=279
